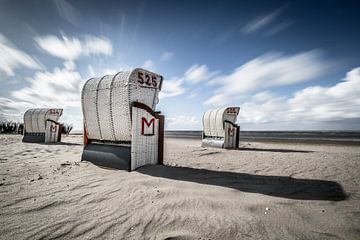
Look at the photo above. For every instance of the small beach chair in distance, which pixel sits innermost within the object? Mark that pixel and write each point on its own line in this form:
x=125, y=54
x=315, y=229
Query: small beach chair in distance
x=41, y=125
x=121, y=128
x=220, y=129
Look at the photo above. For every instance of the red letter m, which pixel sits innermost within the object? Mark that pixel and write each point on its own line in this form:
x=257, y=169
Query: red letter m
x=150, y=127
x=231, y=131
x=53, y=128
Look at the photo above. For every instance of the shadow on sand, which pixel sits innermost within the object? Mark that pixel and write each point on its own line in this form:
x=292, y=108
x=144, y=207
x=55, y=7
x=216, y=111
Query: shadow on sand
x=277, y=186
x=62, y=143
x=271, y=150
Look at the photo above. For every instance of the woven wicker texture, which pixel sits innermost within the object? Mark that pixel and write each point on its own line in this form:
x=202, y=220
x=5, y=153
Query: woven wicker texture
x=89, y=107
x=103, y=105
x=28, y=120
x=40, y=120
x=213, y=120
x=106, y=103
x=144, y=149
x=120, y=105
x=206, y=123
x=35, y=119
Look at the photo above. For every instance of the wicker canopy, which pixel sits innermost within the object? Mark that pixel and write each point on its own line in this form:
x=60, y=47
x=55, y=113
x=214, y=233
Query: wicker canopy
x=106, y=102
x=214, y=119
x=35, y=119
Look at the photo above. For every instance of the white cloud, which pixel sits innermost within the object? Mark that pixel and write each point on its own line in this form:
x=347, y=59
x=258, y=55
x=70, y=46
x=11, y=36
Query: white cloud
x=166, y=56
x=11, y=109
x=182, y=122
x=340, y=102
x=73, y=48
x=70, y=65
x=198, y=73
x=97, y=71
x=261, y=21
x=328, y=103
x=109, y=71
x=91, y=71
x=195, y=74
x=11, y=58
x=148, y=65
x=60, y=88
x=172, y=88
x=268, y=71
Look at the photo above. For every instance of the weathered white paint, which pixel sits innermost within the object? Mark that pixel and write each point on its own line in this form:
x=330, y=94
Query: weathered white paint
x=145, y=138
x=35, y=119
x=110, y=117
x=43, y=121
x=52, y=132
x=219, y=127
x=106, y=102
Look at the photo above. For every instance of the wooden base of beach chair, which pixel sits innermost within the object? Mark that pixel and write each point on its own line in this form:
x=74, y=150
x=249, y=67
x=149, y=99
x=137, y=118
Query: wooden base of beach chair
x=212, y=143
x=34, y=138
x=110, y=156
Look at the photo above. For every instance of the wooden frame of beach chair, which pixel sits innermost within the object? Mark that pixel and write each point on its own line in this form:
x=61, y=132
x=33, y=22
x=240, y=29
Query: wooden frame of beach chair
x=121, y=128
x=41, y=125
x=220, y=129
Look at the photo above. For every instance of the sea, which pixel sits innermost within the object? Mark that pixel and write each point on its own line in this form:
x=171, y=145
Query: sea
x=283, y=136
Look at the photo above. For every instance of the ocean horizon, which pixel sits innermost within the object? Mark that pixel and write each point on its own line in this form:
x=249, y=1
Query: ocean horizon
x=349, y=136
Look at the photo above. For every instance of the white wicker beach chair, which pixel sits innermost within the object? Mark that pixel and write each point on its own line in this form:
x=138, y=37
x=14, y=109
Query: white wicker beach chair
x=121, y=128
x=41, y=125
x=220, y=128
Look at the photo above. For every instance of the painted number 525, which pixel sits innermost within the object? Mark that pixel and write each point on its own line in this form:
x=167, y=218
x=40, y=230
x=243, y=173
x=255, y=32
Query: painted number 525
x=147, y=80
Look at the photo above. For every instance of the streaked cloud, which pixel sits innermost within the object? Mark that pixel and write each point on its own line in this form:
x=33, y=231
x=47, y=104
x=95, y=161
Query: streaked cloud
x=266, y=71
x=172, y=88
x=262, y=21
x=69, y=65
x=193, y=75
x=324, y=105
x=67, y=11
x=11, y=58
x=198, y=73
x=166, y=56
x=328, y=103
x=70, y=48
x=59, y=88
x=12, y=110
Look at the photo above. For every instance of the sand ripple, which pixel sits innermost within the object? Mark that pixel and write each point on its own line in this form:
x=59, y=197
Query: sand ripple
x=47, y=193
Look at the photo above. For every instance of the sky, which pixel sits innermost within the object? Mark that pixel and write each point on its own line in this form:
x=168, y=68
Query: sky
x=288, y=65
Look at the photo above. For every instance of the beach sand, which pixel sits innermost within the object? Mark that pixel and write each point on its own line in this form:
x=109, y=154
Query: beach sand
x=261, y=191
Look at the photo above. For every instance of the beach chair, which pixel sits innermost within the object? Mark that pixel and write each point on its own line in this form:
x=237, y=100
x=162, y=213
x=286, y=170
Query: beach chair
x=121, y=128
x=220, y=128
x=41, y=125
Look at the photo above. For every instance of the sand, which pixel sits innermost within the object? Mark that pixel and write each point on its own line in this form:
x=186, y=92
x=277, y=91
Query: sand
x=261, y=191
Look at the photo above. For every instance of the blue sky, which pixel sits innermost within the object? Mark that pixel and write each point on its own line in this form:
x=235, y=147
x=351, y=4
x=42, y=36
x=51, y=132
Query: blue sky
x=289, y=65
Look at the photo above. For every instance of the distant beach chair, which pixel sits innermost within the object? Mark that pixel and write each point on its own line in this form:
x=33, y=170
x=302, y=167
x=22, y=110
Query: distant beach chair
x=121, y=128
x=220, y=128
x=41, y=125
